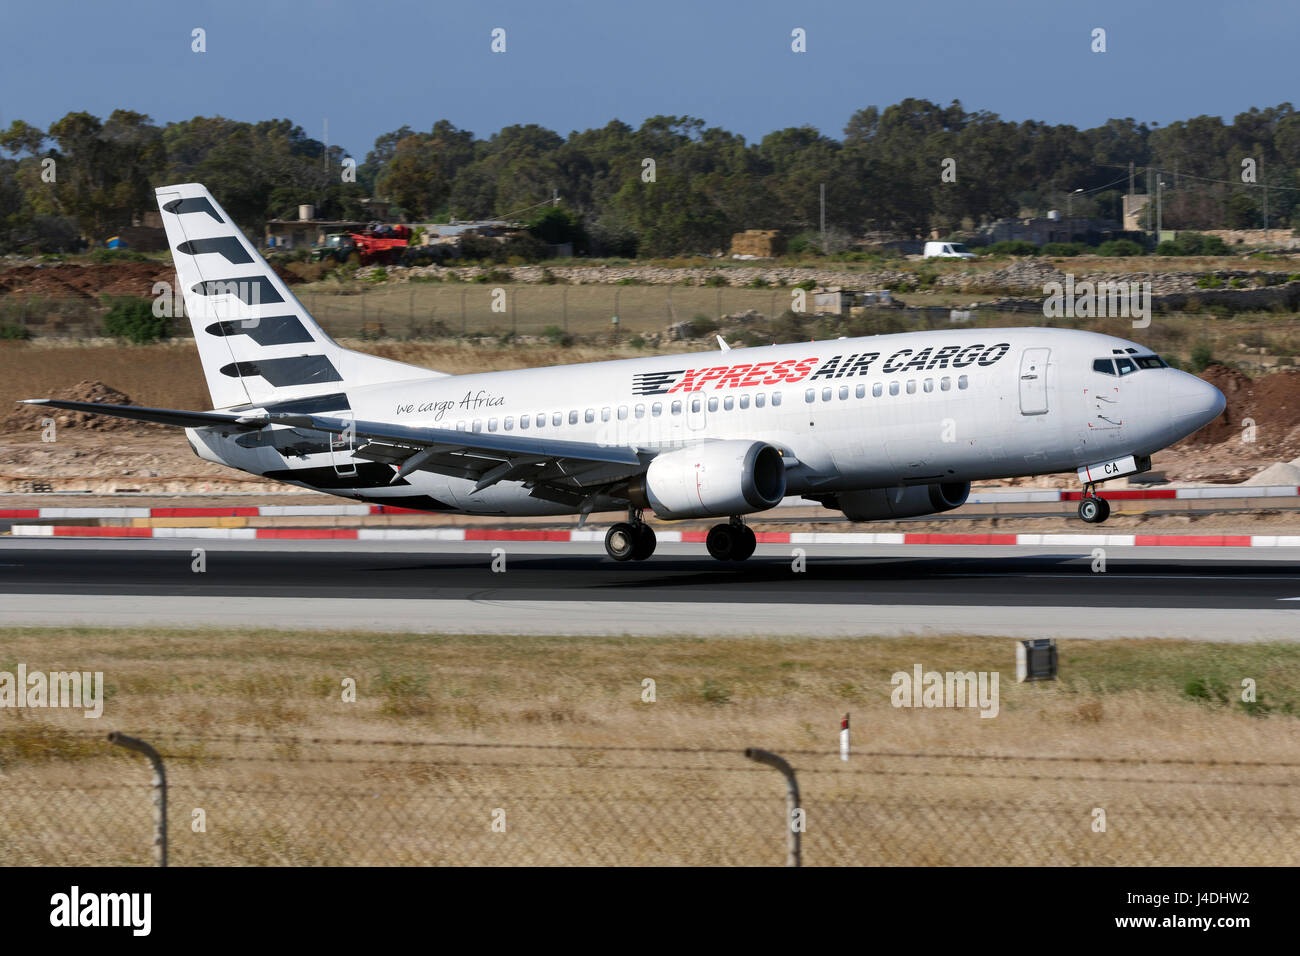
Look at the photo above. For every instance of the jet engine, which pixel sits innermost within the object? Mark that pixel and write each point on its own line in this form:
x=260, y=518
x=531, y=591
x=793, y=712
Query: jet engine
x=711, y=479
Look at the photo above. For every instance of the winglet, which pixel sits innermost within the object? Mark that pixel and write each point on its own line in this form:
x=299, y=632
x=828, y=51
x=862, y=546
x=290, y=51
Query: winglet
x=722, y=344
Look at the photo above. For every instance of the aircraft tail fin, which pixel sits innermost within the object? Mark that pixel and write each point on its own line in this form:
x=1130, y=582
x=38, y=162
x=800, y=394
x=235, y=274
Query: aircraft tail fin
x=256, y=341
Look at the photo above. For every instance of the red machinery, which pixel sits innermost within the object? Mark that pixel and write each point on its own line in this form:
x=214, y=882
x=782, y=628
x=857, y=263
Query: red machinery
x=378, y=244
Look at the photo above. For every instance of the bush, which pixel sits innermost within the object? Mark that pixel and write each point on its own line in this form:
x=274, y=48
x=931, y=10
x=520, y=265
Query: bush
x=1208, y=281
x=14, y=332
x=556, y=226
x=702, y=325
x=116, y=255
x=805, y=243
x=789, y=327
x=132, y=319
x=425, y=255
x=1062, y=249
x=1012, y=247
x=716, y=281
x=1192, y=244
x=557, y=336
x=1202, y=358
x=1119, y=247
x=1206, y=689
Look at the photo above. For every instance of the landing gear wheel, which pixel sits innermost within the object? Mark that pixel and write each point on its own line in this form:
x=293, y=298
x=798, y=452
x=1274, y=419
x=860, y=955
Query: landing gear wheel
x=746, y=542
x=1094, y=510
x=621, y=541
x=645, y=543
x=721, y=541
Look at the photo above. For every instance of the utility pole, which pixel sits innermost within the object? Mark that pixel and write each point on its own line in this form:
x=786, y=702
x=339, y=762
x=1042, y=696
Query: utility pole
x=1265, y=186
x=825, y=251
x=1160, y=198
x=1150, y=199
x=1130, y=177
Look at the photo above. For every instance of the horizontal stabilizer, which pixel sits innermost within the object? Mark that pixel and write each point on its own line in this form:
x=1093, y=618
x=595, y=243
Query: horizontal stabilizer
x=161, y=416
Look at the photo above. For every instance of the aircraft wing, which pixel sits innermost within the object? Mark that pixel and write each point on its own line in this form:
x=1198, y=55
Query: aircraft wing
x=557, y=470
x=161, y=416
x=563, y=471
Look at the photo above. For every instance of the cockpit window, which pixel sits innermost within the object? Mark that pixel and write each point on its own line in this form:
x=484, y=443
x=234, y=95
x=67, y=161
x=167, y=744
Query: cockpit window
x=1150, y=361
x=1105, y=366
x=1125, y=365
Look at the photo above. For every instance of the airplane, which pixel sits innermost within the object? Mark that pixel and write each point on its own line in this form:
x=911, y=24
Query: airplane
x=878, y=428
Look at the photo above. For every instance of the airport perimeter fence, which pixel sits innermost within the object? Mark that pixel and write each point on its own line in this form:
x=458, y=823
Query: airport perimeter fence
x=561, y=313
x=271, y=800
x=416, y=311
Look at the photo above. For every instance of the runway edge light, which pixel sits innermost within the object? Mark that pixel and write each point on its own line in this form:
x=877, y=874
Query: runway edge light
x=1036, y=659
x=844, y=738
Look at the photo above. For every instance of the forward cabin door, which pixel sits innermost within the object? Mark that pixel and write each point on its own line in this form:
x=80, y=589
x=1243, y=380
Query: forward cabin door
x=1033, y=381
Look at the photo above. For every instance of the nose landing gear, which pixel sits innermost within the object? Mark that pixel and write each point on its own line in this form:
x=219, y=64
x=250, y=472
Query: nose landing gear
x=732, y=541
x=1093, y=509
x=631, y=540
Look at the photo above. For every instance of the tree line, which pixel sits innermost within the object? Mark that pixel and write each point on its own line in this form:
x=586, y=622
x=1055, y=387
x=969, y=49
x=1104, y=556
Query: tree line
x=670, y=186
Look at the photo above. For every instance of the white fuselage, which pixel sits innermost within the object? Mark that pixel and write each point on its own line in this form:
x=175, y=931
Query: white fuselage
x=875, y=412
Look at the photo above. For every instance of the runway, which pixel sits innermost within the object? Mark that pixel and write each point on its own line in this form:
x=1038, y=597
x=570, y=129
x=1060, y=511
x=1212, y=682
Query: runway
x=546, y=588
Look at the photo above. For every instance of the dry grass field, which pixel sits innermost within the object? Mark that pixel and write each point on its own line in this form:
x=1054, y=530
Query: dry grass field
x=555, y=733
x=402, y=308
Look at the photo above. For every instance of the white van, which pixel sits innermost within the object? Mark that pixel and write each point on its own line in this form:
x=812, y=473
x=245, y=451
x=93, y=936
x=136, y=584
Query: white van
x=947, y=250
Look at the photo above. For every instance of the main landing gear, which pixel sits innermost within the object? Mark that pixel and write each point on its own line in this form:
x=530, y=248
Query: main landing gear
x=631, y=540
x=1093, y=509
x=732, y=541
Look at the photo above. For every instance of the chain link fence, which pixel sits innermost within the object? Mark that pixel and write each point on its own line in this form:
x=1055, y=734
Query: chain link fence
x=300, y=801
x=559, y=314
x=418, y=310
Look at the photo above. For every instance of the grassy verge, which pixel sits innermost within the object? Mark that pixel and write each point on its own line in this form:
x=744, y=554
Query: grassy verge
x=555, y=740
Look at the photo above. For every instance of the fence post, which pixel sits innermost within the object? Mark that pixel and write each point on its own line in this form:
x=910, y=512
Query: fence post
x=159, y=790
x=792, y=856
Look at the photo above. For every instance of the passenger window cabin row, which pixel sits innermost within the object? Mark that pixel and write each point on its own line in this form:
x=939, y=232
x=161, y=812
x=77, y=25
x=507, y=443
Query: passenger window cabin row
x=654, y=410
x=714, y=403
x=878, y=389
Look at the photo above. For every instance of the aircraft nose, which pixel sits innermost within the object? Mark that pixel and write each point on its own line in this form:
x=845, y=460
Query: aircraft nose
x=1194, y=403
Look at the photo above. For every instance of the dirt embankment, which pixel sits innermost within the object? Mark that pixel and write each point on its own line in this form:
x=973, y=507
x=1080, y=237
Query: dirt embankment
x=33, y=417
x=63, y=280
x=1270, y=404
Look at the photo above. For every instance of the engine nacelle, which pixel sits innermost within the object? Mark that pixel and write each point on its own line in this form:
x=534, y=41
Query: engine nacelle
x=712, y=479
x=881, y=504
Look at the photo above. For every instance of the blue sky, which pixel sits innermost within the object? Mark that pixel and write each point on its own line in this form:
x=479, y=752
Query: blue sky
x=372, y=67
